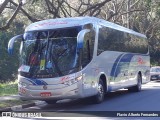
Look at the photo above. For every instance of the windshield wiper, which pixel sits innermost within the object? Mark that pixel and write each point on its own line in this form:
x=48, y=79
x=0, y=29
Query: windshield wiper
x=56, y=66
x=62, y=53
x=55, y=61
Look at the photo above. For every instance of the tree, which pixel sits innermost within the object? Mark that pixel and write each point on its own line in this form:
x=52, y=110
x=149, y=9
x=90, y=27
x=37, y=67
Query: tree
x=9, y=64
x=140, y=15
x=56, y=8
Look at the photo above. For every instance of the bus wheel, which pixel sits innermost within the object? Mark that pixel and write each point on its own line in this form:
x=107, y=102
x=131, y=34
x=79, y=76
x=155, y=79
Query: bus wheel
x=138, y=87
x=101, y=92
x=51, y=101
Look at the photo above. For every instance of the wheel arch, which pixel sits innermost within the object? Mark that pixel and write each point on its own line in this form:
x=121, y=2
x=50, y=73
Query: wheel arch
x=104, y=78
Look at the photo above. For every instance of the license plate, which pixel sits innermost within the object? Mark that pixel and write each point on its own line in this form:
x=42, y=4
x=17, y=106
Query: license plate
x=45, y=94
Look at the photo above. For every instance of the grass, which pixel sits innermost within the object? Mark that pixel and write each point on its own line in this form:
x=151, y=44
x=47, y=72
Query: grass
x=9, y=88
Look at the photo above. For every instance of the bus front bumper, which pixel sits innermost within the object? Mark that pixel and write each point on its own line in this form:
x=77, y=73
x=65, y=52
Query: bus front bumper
x=69, y=92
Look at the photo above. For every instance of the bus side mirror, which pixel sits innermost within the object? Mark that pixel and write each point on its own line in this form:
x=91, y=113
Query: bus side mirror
x=80, y=37
x=11, y=43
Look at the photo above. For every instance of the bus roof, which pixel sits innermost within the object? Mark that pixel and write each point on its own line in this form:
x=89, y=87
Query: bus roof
x=76, y=21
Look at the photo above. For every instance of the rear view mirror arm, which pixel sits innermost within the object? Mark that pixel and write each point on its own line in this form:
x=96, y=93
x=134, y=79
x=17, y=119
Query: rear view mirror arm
x=11, y=42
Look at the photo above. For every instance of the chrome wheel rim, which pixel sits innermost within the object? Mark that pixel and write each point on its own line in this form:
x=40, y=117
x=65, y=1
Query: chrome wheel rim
x=100, y=92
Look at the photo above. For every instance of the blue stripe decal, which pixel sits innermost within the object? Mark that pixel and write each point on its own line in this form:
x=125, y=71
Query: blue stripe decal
x=115, y=65
x=31, y=81
x=121, y=63
x=37, y=82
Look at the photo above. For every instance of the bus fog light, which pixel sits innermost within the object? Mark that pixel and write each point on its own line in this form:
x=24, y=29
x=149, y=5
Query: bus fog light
x=23, y=84
x=68, y=82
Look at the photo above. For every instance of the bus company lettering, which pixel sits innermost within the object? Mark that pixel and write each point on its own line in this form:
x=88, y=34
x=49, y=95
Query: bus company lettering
x=140, y=61
x=50, y=23
x=66, y=78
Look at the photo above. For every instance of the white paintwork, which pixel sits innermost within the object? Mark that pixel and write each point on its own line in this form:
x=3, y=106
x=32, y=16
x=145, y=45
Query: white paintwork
x=76, y=21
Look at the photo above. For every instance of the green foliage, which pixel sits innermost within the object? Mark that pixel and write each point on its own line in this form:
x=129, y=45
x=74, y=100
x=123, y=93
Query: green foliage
x=9, y=64
x=34, y=1
x=148, y=3
x=158, y=9
x=9, y=88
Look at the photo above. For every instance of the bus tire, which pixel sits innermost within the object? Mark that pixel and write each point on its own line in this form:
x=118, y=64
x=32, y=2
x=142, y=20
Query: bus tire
x=99, y=97
x=138, y=87
x=51, y=101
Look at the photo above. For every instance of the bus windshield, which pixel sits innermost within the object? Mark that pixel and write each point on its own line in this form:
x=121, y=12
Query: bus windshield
x=49, y=53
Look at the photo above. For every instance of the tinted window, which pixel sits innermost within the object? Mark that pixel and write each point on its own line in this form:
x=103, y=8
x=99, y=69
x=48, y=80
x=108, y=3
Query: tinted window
x=155, y=69
x=110, y=39
x=88, y=48
x=50, y=53
x=114, y=40
x=136, y=44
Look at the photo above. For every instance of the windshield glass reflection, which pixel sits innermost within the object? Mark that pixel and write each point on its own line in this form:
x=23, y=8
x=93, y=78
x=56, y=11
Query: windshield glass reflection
x=49, y=53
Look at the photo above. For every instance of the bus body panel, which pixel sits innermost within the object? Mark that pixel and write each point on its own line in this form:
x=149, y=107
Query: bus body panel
x=122, y=68
x=54, y=86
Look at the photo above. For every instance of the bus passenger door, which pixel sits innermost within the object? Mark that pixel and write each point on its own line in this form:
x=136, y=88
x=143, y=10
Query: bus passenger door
x=87, y=61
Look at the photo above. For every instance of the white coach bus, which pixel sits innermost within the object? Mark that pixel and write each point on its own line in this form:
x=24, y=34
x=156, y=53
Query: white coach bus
x=70, y=58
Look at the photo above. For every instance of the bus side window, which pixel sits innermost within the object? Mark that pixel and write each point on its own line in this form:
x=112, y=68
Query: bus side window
x=136, y=44
x=101, y=39
x=88, y=48
x=106, y=38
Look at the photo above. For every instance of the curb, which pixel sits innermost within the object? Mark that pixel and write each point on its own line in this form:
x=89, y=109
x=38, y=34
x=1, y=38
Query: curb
x=20, y=107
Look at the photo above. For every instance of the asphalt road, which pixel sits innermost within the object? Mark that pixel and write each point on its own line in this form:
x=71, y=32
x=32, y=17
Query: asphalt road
x=146, y=100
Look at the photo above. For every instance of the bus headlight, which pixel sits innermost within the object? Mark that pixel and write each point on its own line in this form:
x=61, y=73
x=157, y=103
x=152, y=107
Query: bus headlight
x=73, y=81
